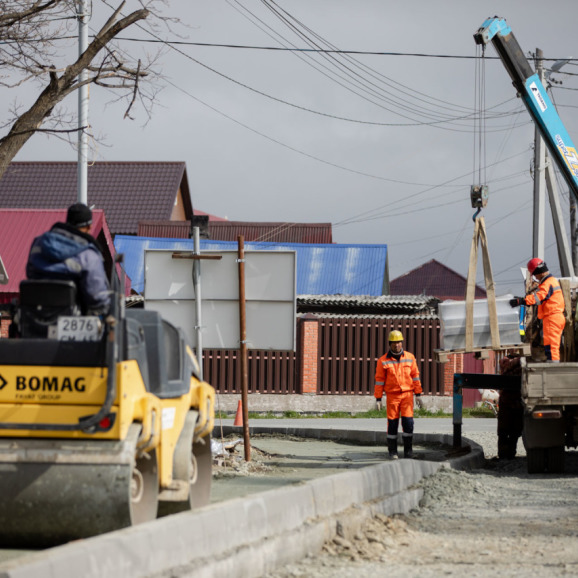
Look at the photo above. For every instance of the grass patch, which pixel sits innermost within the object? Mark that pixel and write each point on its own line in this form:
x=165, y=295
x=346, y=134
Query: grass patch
x=477, y=412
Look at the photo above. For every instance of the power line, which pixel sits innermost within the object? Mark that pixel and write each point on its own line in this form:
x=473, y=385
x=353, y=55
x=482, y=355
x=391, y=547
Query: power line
x=352, y=71
x=436, y=124
x=358, y=217
x=320, y=50
x=356, y=76
x=289, y=147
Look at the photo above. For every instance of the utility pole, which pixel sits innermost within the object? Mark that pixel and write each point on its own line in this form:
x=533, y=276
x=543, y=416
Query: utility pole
x=198, y=300
x=243, y=347
x=82, y=165
x=544, y=175
x=539, y=179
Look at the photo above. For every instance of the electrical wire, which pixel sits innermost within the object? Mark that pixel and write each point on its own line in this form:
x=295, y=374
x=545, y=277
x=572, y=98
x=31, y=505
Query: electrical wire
x=358, y=217
x=289, y=147
x=573, y=61
x=436, y=124
x=433, y=123
x=351, y=73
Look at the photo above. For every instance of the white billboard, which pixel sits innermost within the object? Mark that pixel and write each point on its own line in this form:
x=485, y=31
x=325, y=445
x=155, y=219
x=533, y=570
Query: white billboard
x=270, y=296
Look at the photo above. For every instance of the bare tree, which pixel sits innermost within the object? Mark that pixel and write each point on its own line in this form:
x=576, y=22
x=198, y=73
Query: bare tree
x=35, y=45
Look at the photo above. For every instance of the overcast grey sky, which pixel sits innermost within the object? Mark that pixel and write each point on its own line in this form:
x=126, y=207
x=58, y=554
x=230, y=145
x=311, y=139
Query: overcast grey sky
x=395, y=168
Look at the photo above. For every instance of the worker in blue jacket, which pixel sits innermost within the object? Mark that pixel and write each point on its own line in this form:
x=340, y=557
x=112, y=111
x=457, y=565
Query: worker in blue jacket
x=68, y=251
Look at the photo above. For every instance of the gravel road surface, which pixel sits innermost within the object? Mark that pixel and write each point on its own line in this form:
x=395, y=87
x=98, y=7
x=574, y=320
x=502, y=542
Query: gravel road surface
x=496, y=521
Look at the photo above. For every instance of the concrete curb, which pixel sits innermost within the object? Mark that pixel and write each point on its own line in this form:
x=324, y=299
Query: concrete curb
x=248, y=537
x=310, y=403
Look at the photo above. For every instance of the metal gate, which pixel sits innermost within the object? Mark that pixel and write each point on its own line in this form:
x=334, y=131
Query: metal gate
x=268, y=371
x=349, y=349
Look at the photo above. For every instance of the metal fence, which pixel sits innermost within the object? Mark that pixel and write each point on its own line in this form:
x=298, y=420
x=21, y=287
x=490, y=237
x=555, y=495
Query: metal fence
x=268, y=371
x=348, y=351
x=350, y=348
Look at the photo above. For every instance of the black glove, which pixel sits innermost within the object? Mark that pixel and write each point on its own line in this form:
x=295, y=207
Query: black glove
x=517, y=301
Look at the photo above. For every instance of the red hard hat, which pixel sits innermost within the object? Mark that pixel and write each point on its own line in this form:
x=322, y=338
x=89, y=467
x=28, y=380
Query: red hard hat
x=533, y=264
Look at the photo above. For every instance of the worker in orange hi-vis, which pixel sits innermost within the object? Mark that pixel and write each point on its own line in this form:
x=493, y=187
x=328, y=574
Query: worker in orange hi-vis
x=546, y=293
x=398, y=376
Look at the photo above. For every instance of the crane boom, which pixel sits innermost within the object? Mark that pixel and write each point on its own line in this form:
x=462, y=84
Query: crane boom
x=534, y=95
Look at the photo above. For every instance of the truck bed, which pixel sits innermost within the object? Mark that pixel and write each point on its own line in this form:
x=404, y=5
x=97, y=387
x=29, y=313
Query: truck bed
x=550, y=384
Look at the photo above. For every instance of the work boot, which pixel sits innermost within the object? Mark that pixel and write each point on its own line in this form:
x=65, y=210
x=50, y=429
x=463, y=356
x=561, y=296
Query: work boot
x=407, y=447
x=392, y=448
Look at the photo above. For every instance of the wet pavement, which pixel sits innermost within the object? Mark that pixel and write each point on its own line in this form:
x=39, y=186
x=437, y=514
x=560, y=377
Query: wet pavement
x=278, y=460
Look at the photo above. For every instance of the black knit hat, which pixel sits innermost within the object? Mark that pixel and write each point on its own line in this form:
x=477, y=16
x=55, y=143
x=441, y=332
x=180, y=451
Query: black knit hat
x=79, y=215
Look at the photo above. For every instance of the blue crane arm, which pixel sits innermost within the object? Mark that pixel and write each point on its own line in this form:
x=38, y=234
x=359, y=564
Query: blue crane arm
x=534, y=95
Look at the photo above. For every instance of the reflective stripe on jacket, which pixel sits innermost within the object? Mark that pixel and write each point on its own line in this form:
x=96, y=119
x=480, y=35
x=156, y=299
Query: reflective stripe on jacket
x=396, y=375
x=548, y=297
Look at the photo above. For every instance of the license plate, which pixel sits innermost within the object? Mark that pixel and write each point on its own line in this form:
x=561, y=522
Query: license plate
x=87, y=328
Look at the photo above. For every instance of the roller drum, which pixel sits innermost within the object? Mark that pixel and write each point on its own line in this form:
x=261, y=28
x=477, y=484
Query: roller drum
x=54, y=491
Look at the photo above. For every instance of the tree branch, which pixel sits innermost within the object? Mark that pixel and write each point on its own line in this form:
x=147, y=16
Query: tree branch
x=134, y=92
x=59, y=87
x=8, y=19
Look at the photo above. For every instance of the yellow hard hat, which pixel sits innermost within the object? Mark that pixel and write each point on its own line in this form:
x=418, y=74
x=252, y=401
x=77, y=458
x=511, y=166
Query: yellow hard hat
x=395, y=336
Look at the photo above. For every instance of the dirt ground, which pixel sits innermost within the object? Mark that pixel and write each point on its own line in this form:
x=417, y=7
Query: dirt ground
x=496, y=521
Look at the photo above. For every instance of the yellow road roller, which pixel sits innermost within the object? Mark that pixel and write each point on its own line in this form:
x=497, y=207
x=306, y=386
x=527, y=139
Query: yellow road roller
x=103, y=423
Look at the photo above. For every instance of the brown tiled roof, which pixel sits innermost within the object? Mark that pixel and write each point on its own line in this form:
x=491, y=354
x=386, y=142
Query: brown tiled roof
x=128, y=192
x=165, y=229
x=318, y=233
x=433, y=278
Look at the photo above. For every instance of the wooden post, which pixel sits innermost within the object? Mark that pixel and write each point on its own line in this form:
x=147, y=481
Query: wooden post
x=480, y=236
x=243, y=348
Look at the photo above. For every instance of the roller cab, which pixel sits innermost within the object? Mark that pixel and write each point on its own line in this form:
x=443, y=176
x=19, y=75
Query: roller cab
x=103, y=423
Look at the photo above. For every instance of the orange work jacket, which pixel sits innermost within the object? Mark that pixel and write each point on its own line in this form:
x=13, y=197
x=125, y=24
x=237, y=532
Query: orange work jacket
x=548, y=297
x=396, y=375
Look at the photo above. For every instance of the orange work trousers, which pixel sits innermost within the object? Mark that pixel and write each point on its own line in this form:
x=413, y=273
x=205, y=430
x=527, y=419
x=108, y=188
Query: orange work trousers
x=399, y=403
x=553, y=326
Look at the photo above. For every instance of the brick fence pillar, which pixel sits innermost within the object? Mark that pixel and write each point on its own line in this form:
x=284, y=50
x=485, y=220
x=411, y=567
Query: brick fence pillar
x=454, y=365
x=4, y=325
x=309, y=354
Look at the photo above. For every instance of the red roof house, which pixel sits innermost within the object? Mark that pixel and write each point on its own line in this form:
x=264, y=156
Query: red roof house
x=18, y=228
x=434, y=279
x=127, y=192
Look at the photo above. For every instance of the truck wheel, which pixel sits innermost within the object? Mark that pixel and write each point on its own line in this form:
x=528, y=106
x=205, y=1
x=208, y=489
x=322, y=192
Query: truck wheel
x=536, y=460
x=556, y=458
